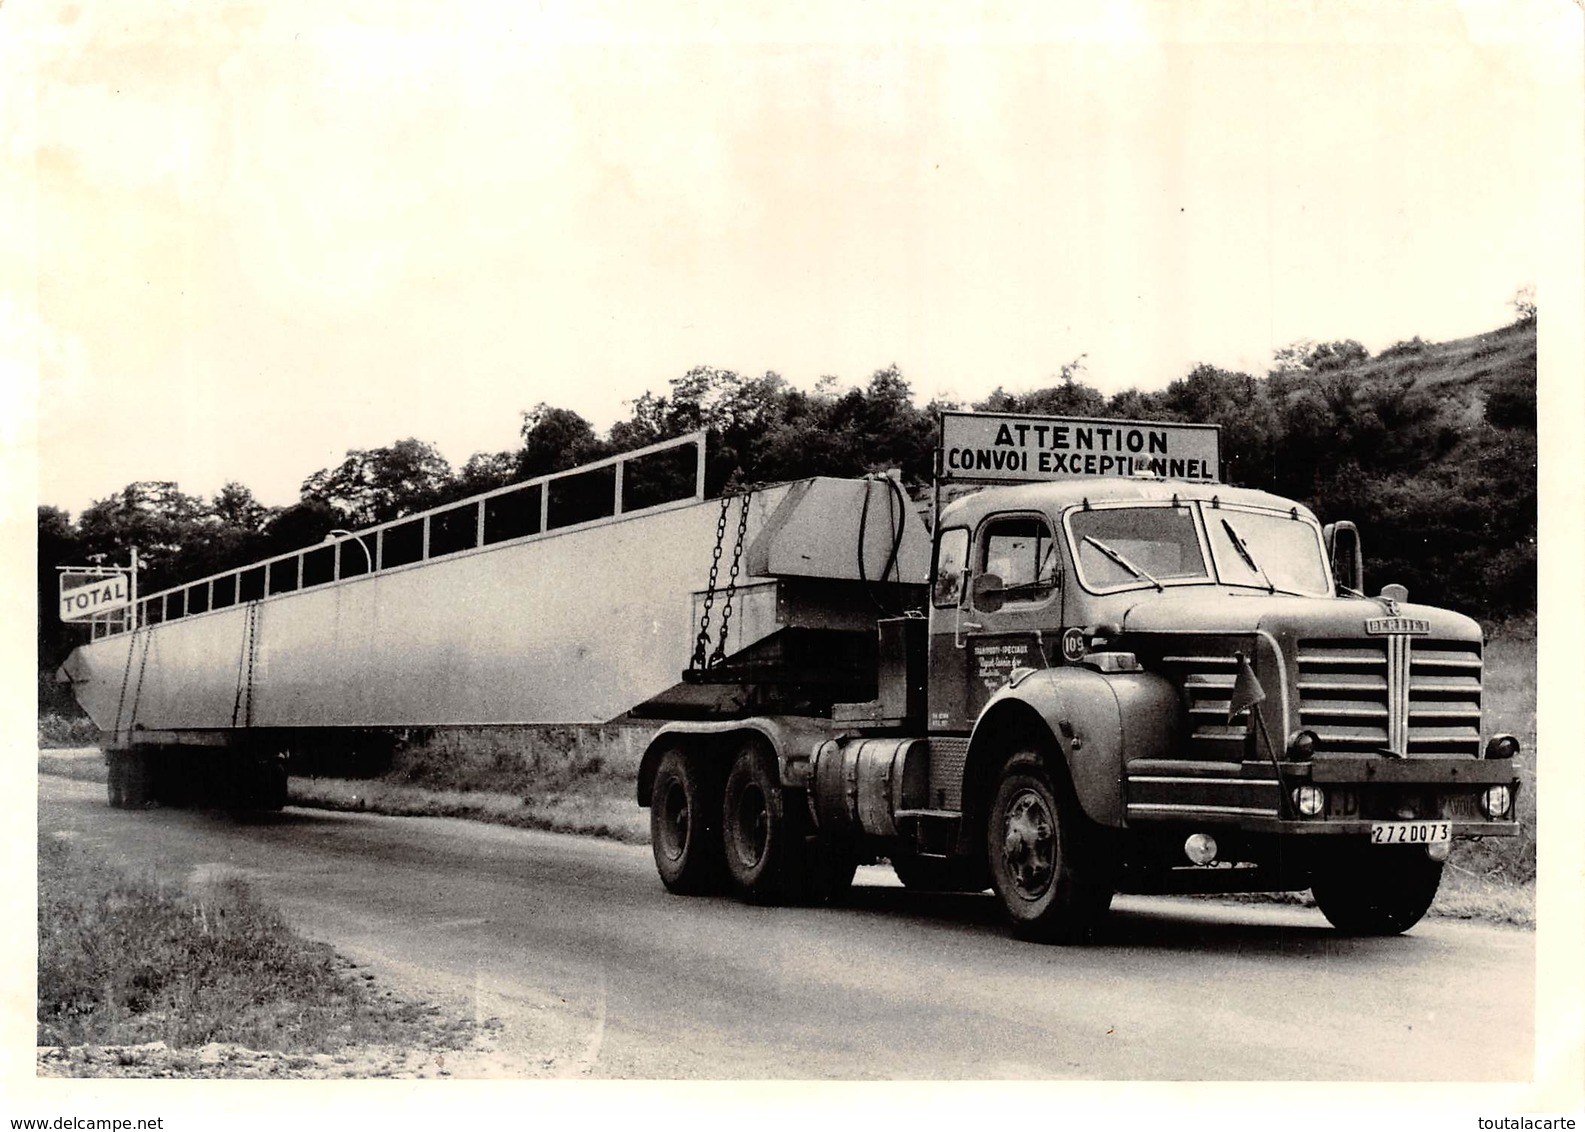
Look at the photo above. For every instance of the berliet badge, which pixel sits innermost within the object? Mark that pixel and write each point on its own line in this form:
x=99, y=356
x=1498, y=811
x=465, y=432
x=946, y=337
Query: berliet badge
x=1381, y=626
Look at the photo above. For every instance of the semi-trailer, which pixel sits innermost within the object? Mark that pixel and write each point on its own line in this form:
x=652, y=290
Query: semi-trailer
x=1097, y=669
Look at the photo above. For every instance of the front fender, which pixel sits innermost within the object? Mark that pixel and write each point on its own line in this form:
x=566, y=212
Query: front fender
x=1095, y=721
x=792, y=739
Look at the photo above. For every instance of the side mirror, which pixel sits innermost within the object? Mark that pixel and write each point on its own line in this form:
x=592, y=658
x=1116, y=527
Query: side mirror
x=988, y=592
x=1348, y=560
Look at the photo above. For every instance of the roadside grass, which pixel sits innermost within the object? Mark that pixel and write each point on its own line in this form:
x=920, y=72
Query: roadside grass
x=85, y=764
x=126, y=961
x=589, y=812
x=552, y=784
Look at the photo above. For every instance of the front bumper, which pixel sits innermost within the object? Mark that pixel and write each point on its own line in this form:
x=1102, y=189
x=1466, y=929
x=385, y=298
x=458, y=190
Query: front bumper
x=1360, y=791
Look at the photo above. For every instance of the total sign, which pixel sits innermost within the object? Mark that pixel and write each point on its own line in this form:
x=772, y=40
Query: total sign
x=1001, y=448
x=89, y=595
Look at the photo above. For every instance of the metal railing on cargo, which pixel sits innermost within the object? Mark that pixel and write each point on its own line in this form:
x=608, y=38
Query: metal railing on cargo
x=644, y=481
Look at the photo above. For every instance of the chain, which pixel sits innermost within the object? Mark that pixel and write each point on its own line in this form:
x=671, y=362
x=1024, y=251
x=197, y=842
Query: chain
x=126, y=676
x=137, y=689
x=701, y=645
x=253, y=651
x=245, y=665
x=731, y=579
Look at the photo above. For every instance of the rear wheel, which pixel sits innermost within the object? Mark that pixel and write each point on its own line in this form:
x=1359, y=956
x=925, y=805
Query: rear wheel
x=684, y=833
x=1370, y=890
x=764, y=853
x=1042, y=860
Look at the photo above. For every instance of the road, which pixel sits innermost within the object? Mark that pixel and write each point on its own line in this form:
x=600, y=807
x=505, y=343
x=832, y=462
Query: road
x=595, y=971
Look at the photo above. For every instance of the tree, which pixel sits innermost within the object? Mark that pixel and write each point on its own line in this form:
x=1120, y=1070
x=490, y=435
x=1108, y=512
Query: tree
x=302, y=524
x=156, y=517
x=485, y=471
x=1070, y=397
x=234, y=507
x=555, y=440
x=1523, y=303
x=376, y=484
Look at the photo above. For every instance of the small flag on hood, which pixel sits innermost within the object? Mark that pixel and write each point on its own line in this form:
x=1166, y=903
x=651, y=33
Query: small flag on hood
x=1247, y=691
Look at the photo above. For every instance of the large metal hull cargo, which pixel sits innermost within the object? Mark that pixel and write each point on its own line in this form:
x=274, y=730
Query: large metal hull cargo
x=580, y=624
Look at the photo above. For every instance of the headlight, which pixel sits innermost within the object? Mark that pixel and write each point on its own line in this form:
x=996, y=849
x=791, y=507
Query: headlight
x=1496, y=801
x=1502, y=747
x=1309, y=801
x=1301, y=745
x=1200, y=848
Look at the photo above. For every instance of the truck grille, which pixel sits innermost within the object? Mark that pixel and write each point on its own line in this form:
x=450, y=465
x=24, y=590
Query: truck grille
x=1396, y=693
x=1205, y=668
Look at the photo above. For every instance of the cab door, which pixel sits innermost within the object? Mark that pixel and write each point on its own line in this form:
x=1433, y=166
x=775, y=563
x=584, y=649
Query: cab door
x=947, y=616
x=994, y=616
x=1010, y=624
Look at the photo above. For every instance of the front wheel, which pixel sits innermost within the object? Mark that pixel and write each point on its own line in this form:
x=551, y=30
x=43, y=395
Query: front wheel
x=1375, y=890
x=684, y=833
x=1041, y=860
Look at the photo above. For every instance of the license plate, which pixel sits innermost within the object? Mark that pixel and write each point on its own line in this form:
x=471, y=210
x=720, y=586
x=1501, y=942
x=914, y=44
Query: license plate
x=1410, y=832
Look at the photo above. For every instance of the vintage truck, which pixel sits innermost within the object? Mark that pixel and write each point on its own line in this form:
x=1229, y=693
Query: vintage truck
x=1128, y=678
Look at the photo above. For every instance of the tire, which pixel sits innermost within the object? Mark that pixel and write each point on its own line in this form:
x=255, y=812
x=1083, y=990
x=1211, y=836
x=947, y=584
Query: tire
x=828, y=869
x=941, y=874
x=116, y=781
x=1368, y=890
x=1042, y=856
x=684, y=825
x=264, y=786
x=764, y=851
x=136, y=784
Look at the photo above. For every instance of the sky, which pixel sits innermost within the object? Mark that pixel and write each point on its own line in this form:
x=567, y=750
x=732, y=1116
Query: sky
x=270, y=231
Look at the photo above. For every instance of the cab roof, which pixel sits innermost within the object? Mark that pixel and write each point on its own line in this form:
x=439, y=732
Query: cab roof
x=1058, y=495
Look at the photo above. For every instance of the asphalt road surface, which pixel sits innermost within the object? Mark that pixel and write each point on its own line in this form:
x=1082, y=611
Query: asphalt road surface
x=594, y=970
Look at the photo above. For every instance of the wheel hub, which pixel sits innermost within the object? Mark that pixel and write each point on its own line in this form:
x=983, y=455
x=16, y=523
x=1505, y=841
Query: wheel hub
x=674, y=822
x=751, y=834
x=1029, y=845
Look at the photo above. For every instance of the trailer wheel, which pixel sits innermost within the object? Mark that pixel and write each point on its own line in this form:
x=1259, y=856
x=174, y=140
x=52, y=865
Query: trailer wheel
x=128, y=780
x=763, y=853
x=269, y=784
x=1375, y=890
x=116, y=781
x=684, y=833
x=941, y=874
x=1041, y=860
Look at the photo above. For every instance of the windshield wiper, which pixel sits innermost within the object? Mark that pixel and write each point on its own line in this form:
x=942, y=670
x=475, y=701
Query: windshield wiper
x=1249, y=559
x=1123, y=562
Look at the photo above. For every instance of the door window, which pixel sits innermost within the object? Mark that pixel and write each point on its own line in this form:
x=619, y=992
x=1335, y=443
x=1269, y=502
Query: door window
x=951, y=559
x=1020, y=551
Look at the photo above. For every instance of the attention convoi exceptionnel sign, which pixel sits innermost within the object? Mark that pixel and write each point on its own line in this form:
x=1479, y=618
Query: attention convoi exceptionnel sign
x=1002, y=448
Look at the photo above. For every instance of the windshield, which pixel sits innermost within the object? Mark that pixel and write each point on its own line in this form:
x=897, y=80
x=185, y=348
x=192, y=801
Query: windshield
x=1269, y=550
x=1120, y=547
